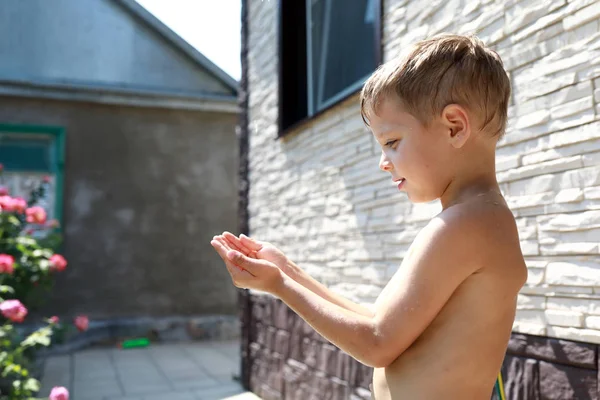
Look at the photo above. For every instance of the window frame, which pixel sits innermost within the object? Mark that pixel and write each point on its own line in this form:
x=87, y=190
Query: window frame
x=59, y=136
x=337, y=99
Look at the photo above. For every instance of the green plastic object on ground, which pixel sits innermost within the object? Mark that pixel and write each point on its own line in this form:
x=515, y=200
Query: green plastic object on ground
x=133, y=343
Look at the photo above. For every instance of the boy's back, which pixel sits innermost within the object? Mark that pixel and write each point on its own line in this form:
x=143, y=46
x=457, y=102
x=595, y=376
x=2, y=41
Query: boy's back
x=458, y=354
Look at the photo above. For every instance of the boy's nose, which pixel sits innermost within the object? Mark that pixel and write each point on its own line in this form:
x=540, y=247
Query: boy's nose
x=384, y=163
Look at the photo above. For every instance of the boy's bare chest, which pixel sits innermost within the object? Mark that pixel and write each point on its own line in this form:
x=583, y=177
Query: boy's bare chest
x=458, y=339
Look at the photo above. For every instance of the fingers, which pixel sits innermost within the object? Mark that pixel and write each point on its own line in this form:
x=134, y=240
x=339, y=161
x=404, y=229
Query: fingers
x=220, y=246
x=251, y=265
x=250, y=243
x=238, y=274
x=236, y=244
x=224, y=244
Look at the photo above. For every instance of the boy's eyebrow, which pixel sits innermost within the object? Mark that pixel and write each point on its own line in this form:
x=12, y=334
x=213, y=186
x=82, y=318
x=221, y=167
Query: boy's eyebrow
x=390, y=128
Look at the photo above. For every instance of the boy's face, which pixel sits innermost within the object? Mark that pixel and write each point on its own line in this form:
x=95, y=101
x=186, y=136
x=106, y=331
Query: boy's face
x=421, y=156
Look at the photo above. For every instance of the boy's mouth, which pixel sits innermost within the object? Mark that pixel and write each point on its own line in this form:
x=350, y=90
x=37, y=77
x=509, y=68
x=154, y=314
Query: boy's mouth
x=400, y=183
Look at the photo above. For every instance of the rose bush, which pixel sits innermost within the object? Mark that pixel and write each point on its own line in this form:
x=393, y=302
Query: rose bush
x=28, y=263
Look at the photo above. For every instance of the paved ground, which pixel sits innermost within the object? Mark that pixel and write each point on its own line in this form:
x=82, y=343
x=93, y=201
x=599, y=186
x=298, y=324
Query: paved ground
x=189, y=371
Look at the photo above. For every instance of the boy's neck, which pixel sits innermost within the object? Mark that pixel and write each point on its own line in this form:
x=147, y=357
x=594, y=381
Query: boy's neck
x=475, y=177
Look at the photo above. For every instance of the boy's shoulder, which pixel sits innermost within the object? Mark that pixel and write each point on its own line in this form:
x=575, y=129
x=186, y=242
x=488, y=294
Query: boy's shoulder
x=480, y=231
x=463, y=239
x=478, y=214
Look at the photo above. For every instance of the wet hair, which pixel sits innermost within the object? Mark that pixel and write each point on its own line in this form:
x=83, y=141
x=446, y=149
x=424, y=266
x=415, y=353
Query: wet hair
x=441, y=70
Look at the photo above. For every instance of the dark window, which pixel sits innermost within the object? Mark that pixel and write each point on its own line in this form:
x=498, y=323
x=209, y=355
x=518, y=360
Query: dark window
x=26, y=153
x=327, y=48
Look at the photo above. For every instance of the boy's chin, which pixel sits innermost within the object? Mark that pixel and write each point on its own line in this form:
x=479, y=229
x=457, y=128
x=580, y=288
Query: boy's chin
x=425, y=194
x=419, y=199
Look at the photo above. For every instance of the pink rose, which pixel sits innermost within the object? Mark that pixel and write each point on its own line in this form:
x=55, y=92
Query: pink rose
x=57, y=263
x=54, y=320
x=13, y=310
x=3, y=191
x=46, y=178
x=81, y=323
x=19, y=204
x=59, y=393
x=36, y=215
x=6, y=203
x=10, y=204
x=7, y=264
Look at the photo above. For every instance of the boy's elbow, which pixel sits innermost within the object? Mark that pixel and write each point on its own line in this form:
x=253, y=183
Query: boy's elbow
x=381, y=353
x=380, y=358
x=377, y=363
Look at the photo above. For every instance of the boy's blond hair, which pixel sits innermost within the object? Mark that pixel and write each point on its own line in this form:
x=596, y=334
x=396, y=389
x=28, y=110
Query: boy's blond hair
x=444, y=69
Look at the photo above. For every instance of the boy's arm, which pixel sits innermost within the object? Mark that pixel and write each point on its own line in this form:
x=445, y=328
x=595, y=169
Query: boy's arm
x=248, y=246
x=304, y=279
x=441, y=259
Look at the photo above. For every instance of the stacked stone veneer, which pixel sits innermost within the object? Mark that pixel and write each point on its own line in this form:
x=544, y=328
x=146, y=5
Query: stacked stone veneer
x=317, y=193
x=289, y=360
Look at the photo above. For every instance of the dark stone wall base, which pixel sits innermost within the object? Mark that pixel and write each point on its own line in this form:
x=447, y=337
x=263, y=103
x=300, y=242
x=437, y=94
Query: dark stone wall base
x=287, y=359
x=545, y=368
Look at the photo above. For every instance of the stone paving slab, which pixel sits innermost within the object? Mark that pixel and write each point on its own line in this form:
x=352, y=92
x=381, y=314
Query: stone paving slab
x=181, y=371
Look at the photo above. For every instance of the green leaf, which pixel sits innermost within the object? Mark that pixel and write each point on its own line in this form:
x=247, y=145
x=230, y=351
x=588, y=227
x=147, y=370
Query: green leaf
x=44, y=264
x=8, y=369
x=47, y=253
x=13, y=220
x=41, y=337
x=26, y=241
x=6, y=289
x=32, y=384
x=22, y=248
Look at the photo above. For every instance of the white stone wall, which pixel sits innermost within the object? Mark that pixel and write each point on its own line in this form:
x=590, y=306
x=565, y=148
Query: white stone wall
x=319, y=195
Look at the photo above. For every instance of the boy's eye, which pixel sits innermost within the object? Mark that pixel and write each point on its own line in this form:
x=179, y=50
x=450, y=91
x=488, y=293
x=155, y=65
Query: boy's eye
x=390, y=143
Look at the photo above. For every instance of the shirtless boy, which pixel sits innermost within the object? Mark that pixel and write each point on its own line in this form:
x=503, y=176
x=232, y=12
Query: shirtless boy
x=440, y=327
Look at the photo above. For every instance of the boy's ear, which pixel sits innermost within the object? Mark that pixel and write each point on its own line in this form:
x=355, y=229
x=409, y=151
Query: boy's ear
x=456, y=121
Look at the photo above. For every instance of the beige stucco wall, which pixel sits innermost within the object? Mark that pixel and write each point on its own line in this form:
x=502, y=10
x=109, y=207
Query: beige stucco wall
x=318, y=193
x=145, y=190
